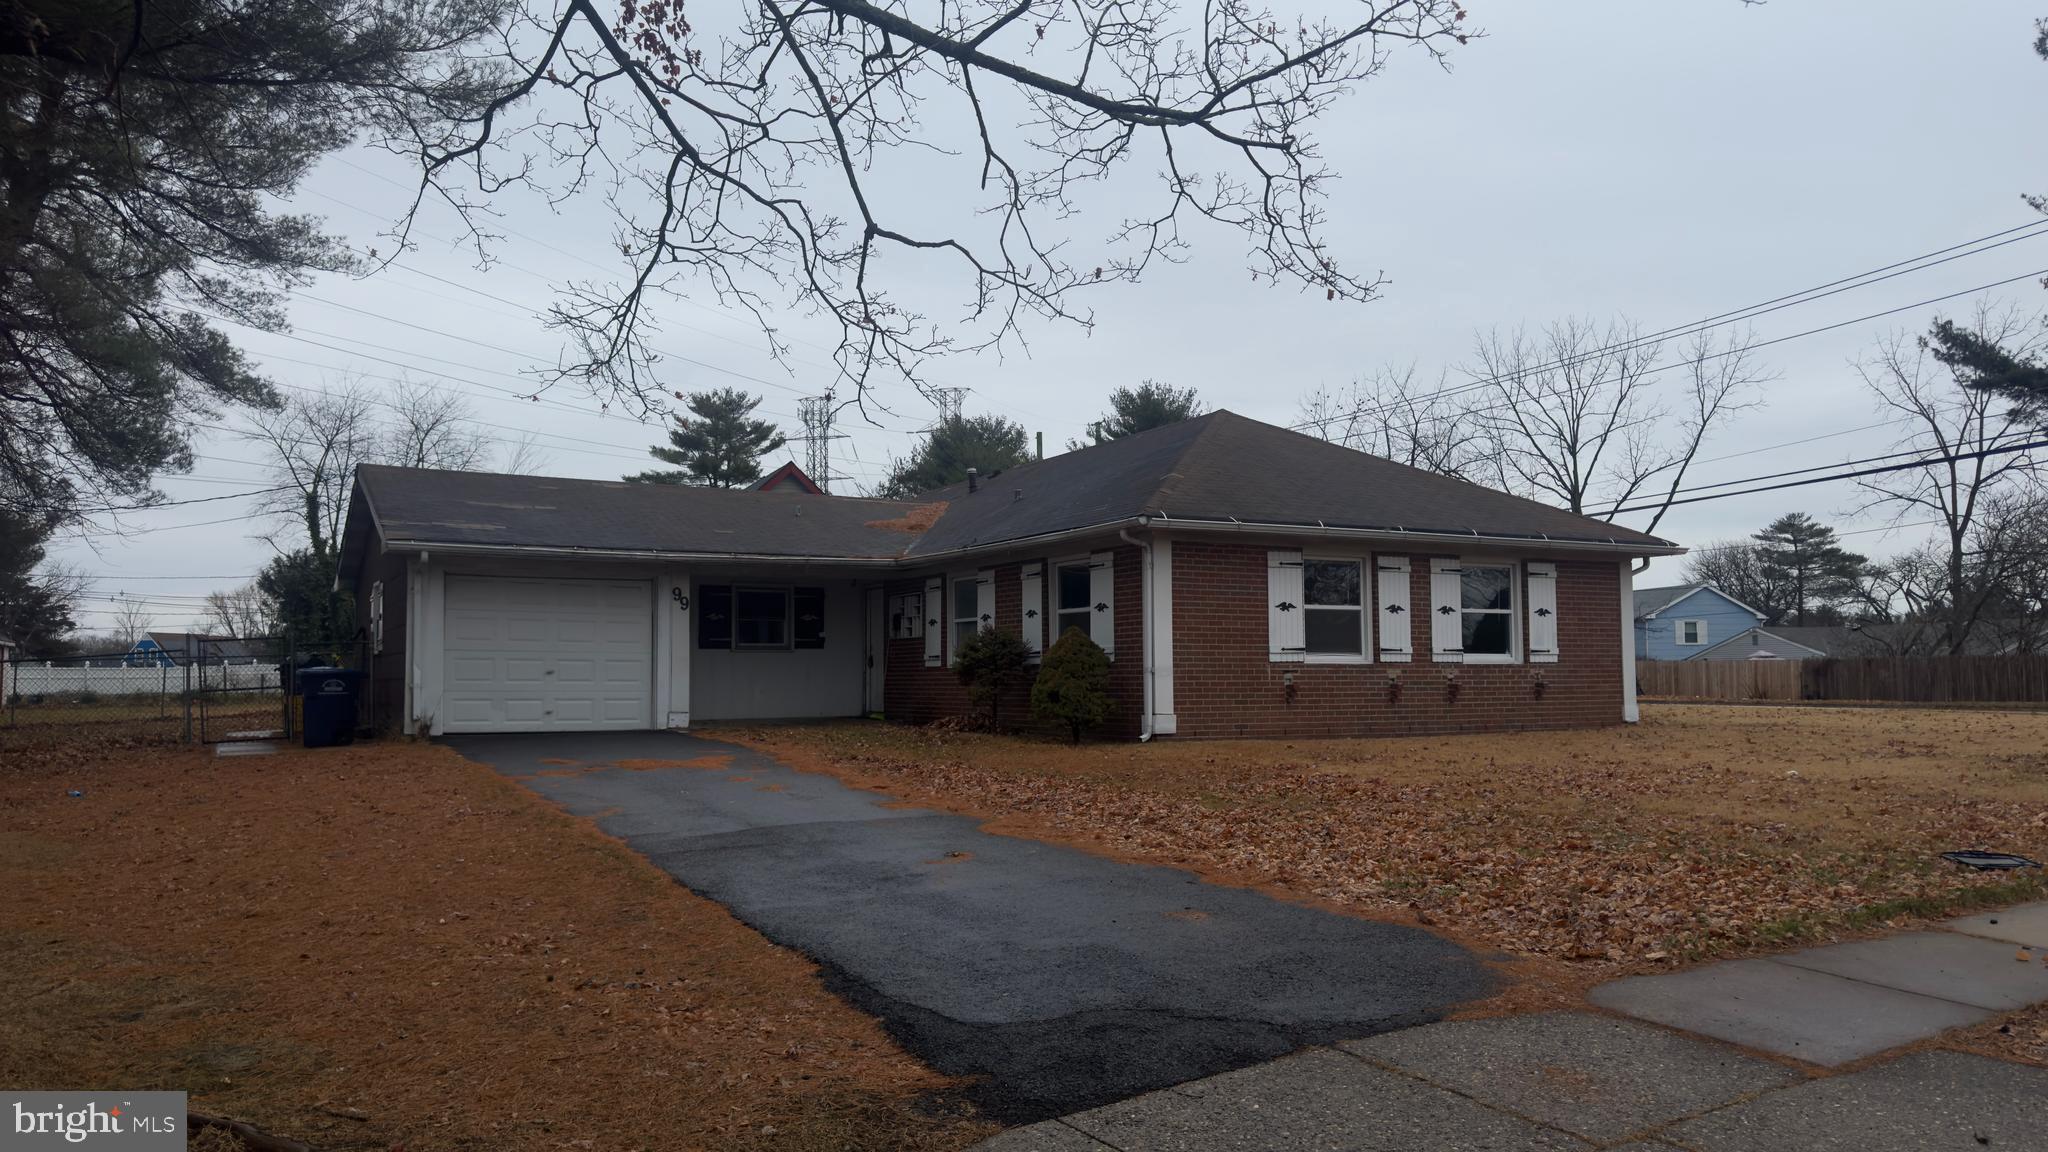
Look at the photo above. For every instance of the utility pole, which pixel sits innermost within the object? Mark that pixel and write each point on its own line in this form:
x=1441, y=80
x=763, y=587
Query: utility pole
x=818, y=415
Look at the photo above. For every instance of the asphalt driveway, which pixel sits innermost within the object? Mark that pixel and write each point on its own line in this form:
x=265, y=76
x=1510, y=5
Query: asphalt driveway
x=1064, y=980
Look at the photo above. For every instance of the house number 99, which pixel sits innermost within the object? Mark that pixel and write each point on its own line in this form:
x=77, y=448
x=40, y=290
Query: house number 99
x=682, y=601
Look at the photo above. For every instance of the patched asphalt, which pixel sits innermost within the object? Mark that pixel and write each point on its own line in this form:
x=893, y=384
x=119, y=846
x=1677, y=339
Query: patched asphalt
x=1058, y=979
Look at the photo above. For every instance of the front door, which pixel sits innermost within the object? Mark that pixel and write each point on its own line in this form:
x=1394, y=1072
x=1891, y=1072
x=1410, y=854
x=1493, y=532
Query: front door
x=876, y=635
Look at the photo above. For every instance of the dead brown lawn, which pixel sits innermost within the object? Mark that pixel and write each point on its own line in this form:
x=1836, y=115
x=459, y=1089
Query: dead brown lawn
x=1704, y=830
x=391, y=932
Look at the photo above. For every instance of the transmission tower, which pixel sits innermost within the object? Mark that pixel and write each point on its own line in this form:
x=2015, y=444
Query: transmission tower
x=817, y=415
x=950, y=402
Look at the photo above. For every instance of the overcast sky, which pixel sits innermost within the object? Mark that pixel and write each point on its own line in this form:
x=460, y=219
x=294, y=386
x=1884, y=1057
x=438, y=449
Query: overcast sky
x=1668, y=162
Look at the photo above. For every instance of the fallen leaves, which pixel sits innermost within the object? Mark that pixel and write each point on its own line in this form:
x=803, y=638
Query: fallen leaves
x=1674, y=841
x=386, y=945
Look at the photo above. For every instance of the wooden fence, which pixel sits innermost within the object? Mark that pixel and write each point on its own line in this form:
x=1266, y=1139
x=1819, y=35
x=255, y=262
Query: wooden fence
x=1913, y=679
x=1719, y=679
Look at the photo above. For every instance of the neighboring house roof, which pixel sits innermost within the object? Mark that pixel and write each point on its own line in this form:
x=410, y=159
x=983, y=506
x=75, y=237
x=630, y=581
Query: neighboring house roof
x=789, y=475
x=199, y=645
x=1216, y=470
x=1797, y=642
x=1655, y=601
x=1756, y=643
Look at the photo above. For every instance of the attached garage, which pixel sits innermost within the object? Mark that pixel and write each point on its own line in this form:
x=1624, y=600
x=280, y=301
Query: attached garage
x=538, y=655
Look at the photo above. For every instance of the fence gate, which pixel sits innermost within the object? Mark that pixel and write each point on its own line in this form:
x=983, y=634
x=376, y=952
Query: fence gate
x=239, y=690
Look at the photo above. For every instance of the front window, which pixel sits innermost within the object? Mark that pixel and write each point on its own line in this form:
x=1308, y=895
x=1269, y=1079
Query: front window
x=966, y=610
x=1489, y=606
x=1692, y=631
x=760, y=618
x=1074, y=609
x=1333, y=592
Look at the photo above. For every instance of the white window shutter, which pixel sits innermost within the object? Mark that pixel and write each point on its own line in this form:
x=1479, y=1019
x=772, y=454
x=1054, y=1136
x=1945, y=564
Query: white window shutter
x=1446, y=611
x=1542, y=612
x=1286, y=632
x=1397, y=621
x=1031, y=618
x=934, y=622
x=1102, y=599
x=985, y=600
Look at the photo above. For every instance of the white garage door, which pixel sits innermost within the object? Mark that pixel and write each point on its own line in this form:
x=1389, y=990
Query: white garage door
x=541, y=655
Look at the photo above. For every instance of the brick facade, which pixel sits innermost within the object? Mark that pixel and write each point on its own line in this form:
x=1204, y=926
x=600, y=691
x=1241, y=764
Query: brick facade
x=1226, y=685
x=919, y=694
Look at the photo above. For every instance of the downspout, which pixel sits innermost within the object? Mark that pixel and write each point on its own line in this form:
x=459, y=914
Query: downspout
x=1144, y=548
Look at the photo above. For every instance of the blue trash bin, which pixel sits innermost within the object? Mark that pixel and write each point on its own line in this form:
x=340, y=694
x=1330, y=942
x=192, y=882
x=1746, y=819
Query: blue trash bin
x=327, y=715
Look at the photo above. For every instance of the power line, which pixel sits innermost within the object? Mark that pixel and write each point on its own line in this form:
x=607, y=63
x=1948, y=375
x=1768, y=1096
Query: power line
x=2009, y=435
x=176, y=503
x=1950, y=458
x=1796, y=443
x=1922, y=262
x=504, y=393
x=577, y=256
x=528, y=312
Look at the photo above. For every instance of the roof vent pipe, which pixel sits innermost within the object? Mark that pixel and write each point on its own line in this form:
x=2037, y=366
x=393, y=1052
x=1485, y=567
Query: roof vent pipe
x=974, y=479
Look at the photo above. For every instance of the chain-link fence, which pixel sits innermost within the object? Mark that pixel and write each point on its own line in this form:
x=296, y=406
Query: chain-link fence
x=118, y=694
x=213, y=691
x=240, y=689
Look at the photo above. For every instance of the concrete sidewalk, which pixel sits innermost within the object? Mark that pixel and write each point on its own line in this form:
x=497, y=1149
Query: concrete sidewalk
x=1578, y=1080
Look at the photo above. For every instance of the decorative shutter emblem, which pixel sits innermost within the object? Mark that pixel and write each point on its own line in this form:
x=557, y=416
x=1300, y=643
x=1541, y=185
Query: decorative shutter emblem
x=1031, y=613
x=1286, y=606
x=1543, y=611
x=1445, y=610
x=985, y=618
x=1396, y=608
x=1101, y=607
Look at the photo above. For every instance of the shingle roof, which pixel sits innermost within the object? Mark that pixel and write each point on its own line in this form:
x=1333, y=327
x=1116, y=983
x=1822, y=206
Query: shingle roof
x=1778, y=642
x=1222, y=467
x=425, y=506
x=1217, y=468
x=188, y=646
x=1649, y=600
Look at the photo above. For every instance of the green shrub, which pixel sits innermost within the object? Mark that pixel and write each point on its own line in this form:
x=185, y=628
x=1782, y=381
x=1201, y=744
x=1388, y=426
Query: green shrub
x=991, y=662
x=1073, y=684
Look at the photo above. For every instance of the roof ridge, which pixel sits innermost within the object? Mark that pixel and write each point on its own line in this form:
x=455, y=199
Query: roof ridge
x=1156, y=502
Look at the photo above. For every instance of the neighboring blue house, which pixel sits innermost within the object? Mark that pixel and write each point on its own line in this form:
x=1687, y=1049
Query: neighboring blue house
x=1680, y=622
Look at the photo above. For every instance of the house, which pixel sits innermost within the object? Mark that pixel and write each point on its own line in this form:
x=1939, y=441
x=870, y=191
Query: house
x=1680, y=621
x=180, y=648
x=787, y=476
x=1760, y=643
x=1246, y=580
x=1920, y=637
x=8, y=649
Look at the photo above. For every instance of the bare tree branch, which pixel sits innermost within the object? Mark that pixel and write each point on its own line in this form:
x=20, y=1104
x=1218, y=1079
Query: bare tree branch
x=764, y=162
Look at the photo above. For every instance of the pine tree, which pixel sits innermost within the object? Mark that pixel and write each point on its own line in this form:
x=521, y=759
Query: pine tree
x=1801, y=555
x=1073, y=684
x=1133, y=410
x=987, y=444
x=721, y=448
x=991, y=662
x=35, y=609
x=144, y=150
x=1979, y=362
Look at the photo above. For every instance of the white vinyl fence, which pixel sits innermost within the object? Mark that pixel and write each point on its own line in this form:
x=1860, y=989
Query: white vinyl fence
x=28, y=678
